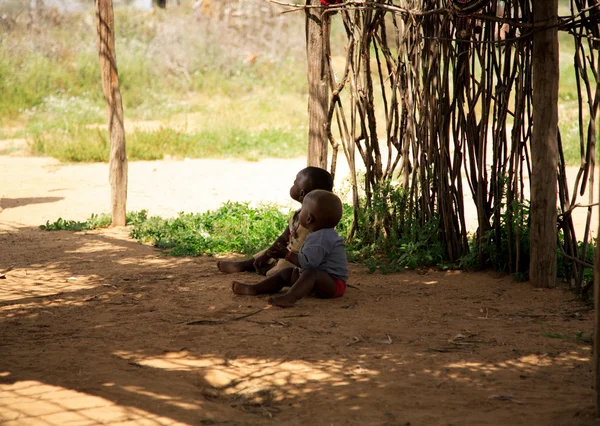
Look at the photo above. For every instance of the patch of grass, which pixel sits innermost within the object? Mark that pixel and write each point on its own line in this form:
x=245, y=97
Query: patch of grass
x=495, y=246
x=568, y=107
x=72, y=144
x=578, y=337
x=232, y=228
x=92, y=144
x=95, y=221
x=187, y=72
x=565, y=267
x=400, y=241
x=232, y=142
x=182, y=70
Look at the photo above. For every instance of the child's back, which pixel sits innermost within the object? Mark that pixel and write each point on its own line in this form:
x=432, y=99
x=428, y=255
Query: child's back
x=328, y=241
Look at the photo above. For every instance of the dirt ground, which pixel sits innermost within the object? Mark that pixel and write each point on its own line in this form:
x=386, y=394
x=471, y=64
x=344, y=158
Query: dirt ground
x=98, y=329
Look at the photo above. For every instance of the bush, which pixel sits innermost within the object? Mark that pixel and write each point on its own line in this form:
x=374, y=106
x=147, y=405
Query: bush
x=232, y=228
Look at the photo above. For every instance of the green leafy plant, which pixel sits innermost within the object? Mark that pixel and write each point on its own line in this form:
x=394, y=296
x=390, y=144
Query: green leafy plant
x=499, y=246
x=579, y=337
x=392, y=237
x=95, y=221
x=232, y=228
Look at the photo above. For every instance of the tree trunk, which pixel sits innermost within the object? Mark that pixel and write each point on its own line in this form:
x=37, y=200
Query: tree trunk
x=544, y=146
x=112, y=95
x=317, y=29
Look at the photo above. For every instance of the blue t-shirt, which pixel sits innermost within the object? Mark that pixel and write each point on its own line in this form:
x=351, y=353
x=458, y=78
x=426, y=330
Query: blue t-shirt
x=325, y=250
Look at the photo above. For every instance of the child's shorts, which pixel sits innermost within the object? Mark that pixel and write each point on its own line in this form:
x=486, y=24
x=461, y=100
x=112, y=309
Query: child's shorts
x=340, y=287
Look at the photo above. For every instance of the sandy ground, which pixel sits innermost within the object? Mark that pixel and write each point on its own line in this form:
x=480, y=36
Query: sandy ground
x=98, y=329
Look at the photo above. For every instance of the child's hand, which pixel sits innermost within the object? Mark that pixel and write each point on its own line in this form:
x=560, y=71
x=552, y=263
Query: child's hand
x=261, y=261
x=277, y=251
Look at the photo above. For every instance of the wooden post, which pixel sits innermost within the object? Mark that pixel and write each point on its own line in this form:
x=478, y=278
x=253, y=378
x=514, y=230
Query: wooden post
x=544, y=146
x=112, y=95
x=317, y=32
x=596, y=361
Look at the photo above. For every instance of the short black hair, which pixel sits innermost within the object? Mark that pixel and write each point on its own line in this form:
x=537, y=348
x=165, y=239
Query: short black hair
x=317, y=178
x=326, y=207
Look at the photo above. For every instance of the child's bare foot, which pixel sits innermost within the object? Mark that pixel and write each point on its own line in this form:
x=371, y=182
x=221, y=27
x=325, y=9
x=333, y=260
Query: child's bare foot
x=281, y=301
x=230, y=267
x=243, y=289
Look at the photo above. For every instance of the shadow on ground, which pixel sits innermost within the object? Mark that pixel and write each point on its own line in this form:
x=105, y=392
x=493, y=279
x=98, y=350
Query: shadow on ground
x=98, y=329
x=11, y=203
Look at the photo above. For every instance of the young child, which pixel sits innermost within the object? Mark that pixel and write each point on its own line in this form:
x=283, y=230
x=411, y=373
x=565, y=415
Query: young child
x=323, y=266
x=264, y=263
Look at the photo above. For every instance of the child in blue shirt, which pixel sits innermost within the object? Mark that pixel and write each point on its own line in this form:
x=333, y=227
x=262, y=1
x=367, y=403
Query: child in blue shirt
x=307, y=180
x=321, y=264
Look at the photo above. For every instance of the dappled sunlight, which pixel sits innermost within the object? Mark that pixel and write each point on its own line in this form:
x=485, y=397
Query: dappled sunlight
x=94, y=246
x=152, y=260
x=126, y=336
x=167, y=399
x=10, y=311
x=252, y=377
x=475, y=373
x=527, y=363
x=33, y=402
x=174, y=361
x=26, y=283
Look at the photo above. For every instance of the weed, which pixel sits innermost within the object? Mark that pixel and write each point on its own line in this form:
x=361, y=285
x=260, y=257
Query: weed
x=177, y=68
x=392, y=237
x=579, y=337
x=232, y=228
x=95, y=221
x=91, y=144
x=498, y=248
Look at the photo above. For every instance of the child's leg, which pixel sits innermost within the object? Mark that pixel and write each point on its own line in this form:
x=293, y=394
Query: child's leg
x=230, y=267
x=272, y=284
x=309, y=280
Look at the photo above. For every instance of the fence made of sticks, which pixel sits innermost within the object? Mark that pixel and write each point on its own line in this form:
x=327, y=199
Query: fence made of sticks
x=439, y=104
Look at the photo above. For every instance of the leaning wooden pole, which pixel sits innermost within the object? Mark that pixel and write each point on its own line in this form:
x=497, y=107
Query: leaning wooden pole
x=544, y=145
x=317, y=33
x=112, y=95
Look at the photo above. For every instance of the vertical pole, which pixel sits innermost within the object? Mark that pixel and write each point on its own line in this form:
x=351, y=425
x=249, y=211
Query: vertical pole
x=596, y=360
x=318, y=88
x=597, y=299
x=544, y=145
x=114, y=103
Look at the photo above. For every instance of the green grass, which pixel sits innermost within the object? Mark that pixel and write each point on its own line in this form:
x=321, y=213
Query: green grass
x=232, y=228
x=579, y=337
x=85, y=144
x=243, y=229
x=184, y=73
x=95, y=221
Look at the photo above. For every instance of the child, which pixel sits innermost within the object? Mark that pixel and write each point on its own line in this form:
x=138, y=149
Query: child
x=307, y=180
x=322, y=258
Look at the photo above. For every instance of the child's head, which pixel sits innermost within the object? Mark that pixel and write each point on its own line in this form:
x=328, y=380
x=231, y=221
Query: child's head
x=308, y=180
x=320, y=209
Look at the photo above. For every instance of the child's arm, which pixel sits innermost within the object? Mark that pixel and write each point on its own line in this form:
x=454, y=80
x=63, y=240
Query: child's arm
x=282, y=240
x=310, y=257
x=280, y=251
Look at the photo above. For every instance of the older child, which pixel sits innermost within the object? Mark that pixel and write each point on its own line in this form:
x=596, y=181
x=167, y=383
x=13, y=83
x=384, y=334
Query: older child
x=323, y=266
x=264, y=263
